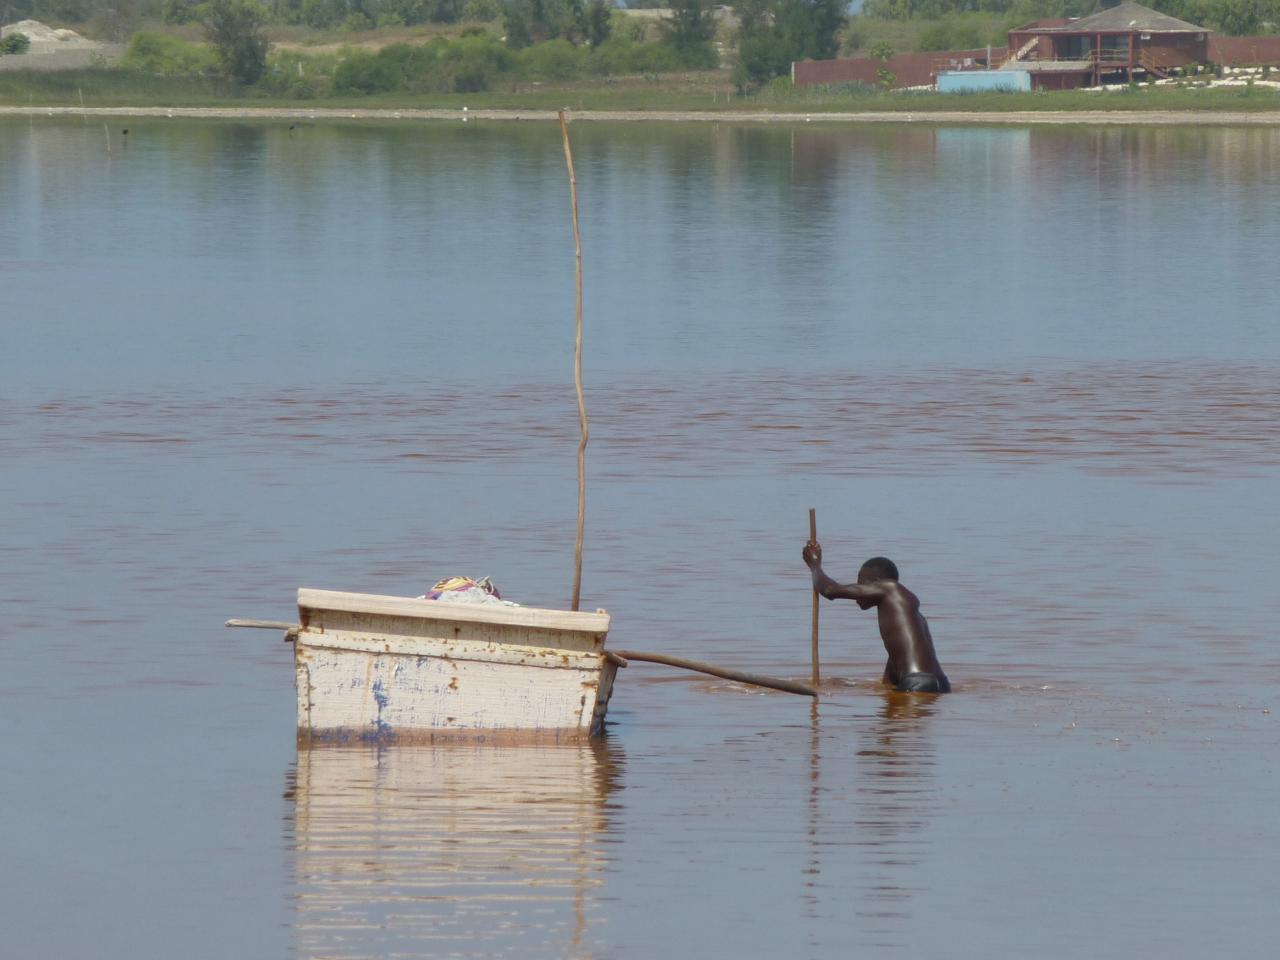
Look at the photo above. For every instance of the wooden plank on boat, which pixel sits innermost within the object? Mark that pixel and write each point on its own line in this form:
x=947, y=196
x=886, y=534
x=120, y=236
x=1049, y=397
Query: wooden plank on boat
x=537, y=617
x=515, y=654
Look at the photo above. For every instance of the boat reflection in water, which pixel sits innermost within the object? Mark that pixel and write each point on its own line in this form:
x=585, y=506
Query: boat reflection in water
x=450, y=849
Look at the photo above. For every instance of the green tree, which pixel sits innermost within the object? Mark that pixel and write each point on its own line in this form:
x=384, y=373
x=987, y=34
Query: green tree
x=1193, y=11
x=1240, y=18
x=761, y=57
x=936, y=36
x=177, y=11
x=234, y=29
x=398, y=12
x=553, y=60
x=534, y=21
x=116, y=22
x=444, y=11
x=62, y=11
x=161, y=55
x=689, y=30
x=812, y=27
x=321, y=13
x=950, y=34
x=15, y=43
x=515, y=23
x=365, y=72
x=754, y=16
x=775, y=33
x=599, y=20
x=912, y=9
x=482, y=10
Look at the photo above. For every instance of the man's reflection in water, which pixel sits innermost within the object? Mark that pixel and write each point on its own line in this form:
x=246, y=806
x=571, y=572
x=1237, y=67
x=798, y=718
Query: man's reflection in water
x=894, y=796
x=430, y=850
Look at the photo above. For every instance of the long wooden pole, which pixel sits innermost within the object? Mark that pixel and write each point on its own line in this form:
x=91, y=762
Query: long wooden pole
x=755, y=679
x=618, y=657
x=263, y=624
x=291, y=630
x=813, y=641
x=577, y=369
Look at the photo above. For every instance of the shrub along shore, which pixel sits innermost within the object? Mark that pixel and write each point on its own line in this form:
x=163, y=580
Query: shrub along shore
x=632, y=66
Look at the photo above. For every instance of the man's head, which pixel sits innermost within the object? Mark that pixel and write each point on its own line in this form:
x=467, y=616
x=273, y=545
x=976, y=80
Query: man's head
x=877, y=568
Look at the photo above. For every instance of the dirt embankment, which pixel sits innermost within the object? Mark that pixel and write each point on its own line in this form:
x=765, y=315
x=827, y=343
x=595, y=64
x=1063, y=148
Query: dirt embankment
x=53, y=49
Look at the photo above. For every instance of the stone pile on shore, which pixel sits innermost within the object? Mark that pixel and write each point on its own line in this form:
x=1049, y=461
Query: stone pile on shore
x=55, y=49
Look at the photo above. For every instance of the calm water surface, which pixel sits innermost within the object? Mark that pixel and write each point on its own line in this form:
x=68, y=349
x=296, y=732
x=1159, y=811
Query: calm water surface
x=1038, y=368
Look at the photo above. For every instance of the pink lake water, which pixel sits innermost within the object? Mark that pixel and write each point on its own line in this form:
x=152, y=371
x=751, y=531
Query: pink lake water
x=1037, y=368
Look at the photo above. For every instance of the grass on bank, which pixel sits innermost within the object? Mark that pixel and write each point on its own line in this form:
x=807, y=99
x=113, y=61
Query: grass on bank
x=696, y=90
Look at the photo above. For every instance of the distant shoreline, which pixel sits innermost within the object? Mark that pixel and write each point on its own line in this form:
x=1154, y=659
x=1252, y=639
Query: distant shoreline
x=1163, y=118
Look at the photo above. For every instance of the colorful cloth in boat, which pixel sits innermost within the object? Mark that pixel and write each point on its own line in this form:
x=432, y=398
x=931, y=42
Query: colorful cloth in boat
x=451, y=585
x=466, y=590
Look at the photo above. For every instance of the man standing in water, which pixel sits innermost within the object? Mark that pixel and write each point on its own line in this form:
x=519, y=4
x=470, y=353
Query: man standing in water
x=913, y=666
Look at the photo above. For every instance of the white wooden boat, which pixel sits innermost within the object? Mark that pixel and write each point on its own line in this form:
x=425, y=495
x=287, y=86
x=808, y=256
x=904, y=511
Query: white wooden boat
x=377, y=667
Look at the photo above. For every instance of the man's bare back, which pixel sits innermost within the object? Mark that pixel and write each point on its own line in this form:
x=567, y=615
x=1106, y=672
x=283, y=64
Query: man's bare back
x=913, y=665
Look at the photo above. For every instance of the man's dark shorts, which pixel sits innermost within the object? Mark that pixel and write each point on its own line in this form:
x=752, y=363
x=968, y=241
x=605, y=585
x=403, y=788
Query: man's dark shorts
x=924, y=683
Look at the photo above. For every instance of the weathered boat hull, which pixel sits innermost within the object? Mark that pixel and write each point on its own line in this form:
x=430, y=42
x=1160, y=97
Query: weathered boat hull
x=374, y=667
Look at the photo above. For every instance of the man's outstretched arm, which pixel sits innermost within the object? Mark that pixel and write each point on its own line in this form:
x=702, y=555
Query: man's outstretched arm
x=832, y=590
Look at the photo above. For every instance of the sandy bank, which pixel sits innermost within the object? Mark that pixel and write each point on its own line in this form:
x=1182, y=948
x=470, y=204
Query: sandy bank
x=1015, y=118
